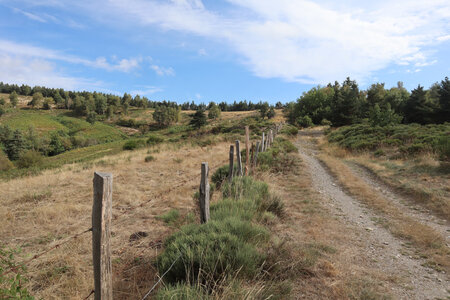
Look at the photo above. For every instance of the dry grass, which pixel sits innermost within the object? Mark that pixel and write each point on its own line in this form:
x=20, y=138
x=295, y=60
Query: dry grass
x=428, y=241
x=423, y=180
x=38, y=212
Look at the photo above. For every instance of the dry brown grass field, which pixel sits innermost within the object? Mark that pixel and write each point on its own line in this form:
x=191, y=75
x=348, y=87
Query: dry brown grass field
x=40, y=211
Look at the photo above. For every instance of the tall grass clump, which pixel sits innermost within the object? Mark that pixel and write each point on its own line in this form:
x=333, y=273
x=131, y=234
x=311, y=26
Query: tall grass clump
x=229, y=247
x=278, y=157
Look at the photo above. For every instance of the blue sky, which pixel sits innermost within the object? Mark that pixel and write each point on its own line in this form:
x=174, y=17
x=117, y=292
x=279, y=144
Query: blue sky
x=184, y=50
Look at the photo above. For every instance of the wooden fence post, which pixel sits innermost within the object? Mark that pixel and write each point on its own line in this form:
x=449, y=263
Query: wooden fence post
x=238, y=158
x=247, y=152
x=204, y=194
x=101, y=234
x=230, y=170
x=263, y=142
x=252, y=158
x=271, y=136
x=256, y=154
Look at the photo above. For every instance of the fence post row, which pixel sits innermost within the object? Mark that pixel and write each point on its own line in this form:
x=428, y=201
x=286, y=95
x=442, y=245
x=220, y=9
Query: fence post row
x=204, y=194
x=238, y=158
x=230, y=170
x=101, y=234
x=247, y=152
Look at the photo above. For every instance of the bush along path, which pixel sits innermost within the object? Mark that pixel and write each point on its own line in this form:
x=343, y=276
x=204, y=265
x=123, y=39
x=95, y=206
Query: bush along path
x=410, y=252
x=215, y=259
x=230, y=256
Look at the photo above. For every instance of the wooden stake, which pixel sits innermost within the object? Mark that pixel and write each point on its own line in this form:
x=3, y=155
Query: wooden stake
x=204, y=194
x=238, y=158
x=256, y=153
x=247, y=142
x=101, y=234
x=252, y=158
x=230, y=170
x=263, y=143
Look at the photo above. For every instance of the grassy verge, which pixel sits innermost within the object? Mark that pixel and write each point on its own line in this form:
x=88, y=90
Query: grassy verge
x=413, y=159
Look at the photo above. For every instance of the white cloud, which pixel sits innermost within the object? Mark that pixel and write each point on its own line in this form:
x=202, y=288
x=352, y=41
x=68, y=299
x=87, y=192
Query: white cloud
x=36, y=71
x=161, y=71
x=29, y=51
x=30, y=15
x=443, y=38
x=305, y=41
x=148, y=90
x=202, y=52
x=302, y=41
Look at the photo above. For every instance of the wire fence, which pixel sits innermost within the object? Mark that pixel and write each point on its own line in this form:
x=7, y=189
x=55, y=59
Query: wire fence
x=119, y=219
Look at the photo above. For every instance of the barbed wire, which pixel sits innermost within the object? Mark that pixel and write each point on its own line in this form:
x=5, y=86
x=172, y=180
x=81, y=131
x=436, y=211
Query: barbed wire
x=90, y=294
x=36, y=256
x=67, y=240
x=160, y=278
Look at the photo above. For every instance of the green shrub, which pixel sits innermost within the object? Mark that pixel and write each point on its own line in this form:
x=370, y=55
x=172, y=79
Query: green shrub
x=11, y=286
x=209, y=252
x=290, y=130
x=5, y=163
x=325, y=122
x=149, y=158
x=169, y=217
x=246, y=188
x=411, y=139
x=181, y=291
x=220, y=175
x=304, y=121
x=443, y=148
x=154, y=140
x=133, y=144
x=29, y=159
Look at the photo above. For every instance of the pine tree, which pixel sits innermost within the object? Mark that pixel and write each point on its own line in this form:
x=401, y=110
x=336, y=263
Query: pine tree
x=198, y=119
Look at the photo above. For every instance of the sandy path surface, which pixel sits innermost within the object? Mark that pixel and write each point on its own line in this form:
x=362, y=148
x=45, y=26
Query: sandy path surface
x=383, y=251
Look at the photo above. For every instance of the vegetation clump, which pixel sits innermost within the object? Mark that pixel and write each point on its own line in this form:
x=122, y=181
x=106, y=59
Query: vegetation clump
x=409, y=139
x=229, y=246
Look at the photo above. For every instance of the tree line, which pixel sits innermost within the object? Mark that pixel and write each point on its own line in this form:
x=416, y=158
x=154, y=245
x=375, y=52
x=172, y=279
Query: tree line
x=344, y=104
x=93, y=104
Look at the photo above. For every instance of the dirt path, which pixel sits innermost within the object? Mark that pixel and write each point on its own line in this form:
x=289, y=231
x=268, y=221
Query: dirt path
x=417, y=212
x=382, y=250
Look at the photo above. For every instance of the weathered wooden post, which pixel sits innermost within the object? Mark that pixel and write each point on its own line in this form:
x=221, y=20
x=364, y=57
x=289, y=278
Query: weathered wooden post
x=252, y=159
x=238, y=158
x=204, y=194
x=271, y=136
x=256, y=153
x=101, y=234
x=230, y=170
x=263, y=142
x=247, y=152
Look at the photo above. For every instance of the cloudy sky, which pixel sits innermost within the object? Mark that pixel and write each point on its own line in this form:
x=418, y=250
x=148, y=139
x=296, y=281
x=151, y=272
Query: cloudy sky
x=185, y=50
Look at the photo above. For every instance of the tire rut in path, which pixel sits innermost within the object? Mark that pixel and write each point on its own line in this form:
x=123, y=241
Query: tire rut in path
x=418, y=213
x=382, y=250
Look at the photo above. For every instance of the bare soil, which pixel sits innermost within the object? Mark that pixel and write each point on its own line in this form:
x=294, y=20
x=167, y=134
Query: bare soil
x=377, y=246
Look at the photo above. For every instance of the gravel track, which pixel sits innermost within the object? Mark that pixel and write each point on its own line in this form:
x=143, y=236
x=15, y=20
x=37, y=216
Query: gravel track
x=381, y=249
